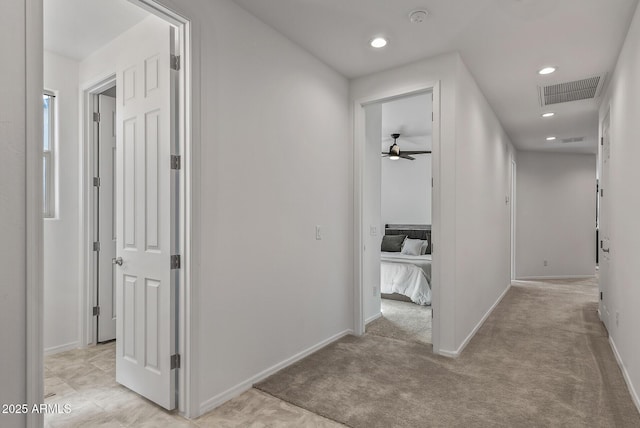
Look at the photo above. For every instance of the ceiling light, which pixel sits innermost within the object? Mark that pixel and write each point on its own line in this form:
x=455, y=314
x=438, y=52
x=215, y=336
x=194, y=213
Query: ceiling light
x=547, y=70
x=551, y=138
x=378, y=42
x=548, y=114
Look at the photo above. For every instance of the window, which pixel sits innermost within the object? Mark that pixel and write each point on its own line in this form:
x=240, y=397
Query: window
x=48, y=157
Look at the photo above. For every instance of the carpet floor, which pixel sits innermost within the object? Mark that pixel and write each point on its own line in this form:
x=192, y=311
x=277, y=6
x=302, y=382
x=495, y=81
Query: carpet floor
x=541, y=359
x=403, y=320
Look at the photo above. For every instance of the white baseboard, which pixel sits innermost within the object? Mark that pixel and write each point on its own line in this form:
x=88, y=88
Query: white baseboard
x=465, y=342
x=538, y=278
x=625, y=374
x=234, y=391
x=61, y=348
x=373, y=318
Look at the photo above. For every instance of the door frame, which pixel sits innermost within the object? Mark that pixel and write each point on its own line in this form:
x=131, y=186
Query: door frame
x=512, y=207
x=358, y=201
x=35, y=238
x=88, y=283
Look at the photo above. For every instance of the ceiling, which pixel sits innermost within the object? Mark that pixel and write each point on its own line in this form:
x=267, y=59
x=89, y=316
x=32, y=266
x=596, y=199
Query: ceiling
x=503, y=43
x=76, y=28
x=409, y=117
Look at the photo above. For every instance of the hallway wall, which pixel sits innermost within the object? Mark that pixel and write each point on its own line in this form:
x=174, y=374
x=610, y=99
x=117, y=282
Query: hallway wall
x=556, y=215
x=621, y=293
x=269, y=120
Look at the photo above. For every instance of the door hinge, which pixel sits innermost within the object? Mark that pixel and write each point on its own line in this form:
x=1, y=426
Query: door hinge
x=175, y=161
x=175, y=361
x=601, y=193
x=175, y=62
x=96, y=117
x=96, y=246
x=96, y=311
x=96, y=181
x=602, y=141
x=175, y=261
x=601, y=295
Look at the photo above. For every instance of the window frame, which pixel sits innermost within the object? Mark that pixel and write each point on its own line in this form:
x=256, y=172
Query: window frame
x=49, y=159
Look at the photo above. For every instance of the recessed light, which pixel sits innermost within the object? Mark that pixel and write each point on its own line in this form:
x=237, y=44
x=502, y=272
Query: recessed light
x=378, y=42
x=551, y=138
x=548, y=114
x=547, y=70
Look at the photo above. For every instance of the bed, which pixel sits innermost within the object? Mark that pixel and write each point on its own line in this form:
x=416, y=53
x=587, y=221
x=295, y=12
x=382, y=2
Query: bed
x=407, y=277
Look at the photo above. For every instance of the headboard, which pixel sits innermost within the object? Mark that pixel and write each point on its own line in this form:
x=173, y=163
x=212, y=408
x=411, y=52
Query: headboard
x=413, y=231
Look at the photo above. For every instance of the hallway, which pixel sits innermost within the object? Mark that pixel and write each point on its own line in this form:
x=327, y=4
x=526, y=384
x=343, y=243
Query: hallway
x=541, y=359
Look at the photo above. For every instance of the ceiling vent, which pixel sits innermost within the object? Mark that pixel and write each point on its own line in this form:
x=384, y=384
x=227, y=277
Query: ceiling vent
x=584, y=89
x=572, y=140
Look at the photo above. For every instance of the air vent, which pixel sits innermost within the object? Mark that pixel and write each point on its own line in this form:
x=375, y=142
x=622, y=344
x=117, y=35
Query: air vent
x=572, y=140
x=584, y=89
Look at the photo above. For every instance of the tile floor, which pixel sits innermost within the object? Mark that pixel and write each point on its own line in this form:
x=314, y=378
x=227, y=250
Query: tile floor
x=85, y=380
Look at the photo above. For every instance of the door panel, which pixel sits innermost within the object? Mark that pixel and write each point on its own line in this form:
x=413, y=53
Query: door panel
x=106, y=218
x=145, y=297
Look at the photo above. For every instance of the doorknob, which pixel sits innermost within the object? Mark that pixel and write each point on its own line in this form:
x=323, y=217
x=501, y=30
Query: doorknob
x=117, y=261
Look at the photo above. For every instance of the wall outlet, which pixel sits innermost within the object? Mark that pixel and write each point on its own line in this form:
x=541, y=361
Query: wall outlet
x=546, y=263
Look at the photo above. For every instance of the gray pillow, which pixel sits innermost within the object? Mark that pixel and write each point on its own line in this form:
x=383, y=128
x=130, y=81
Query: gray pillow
x=392, y=243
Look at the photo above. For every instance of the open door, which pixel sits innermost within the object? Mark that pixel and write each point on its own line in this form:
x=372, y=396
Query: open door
x=145, y=216
x=106, y=218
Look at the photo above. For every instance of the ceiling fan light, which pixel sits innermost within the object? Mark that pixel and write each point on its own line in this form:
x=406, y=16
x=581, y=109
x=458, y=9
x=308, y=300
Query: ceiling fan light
x=394, y=157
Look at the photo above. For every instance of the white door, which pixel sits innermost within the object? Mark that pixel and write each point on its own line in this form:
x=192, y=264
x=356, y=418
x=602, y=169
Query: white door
x=146, y=329
x=106, y=218
x=604, y=221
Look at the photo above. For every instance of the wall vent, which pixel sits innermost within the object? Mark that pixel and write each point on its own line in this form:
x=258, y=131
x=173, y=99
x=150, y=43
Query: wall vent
x=572, y=140
x=584, y=89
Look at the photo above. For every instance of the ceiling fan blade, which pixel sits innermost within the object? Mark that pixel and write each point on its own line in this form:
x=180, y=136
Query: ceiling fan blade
x=416, y=152
x=404, y=156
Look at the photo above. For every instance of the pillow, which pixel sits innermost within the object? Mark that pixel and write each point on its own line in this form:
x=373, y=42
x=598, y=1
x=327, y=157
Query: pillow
x=412, y=247
x=392, y=243
x=425, y=247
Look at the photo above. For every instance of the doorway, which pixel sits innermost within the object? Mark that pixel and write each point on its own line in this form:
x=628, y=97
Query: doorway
x=104, y=201
x=155, y=132
x=370, y=228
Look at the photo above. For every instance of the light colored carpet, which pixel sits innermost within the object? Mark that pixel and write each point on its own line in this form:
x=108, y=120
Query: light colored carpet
x=541, y=359
x=403, y=320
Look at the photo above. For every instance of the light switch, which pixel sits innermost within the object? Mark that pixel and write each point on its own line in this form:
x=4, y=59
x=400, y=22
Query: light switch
x=373, y=231
x=318, y=232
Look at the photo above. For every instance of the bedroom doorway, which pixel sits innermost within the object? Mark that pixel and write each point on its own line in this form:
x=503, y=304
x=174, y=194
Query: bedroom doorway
x=134, y=238
x=397, y=145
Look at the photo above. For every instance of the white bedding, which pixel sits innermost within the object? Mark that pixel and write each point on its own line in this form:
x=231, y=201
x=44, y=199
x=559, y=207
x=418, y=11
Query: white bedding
x=406, y=275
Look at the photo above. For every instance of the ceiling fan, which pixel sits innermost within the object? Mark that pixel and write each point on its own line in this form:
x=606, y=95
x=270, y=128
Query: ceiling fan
x=394, y=152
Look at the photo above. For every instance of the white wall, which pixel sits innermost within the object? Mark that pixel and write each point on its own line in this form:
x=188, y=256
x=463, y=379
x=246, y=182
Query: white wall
x=61, y=234
x=270, y=119
x=621, y=294
x=406, y=191
x=555, y=215
x=473, y=166
x=13, y=179
x=406, y=185
x=372, y=224
x=483, y=232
